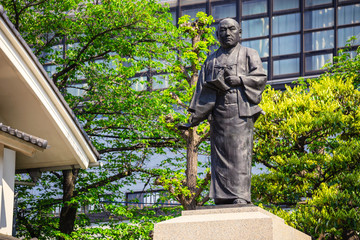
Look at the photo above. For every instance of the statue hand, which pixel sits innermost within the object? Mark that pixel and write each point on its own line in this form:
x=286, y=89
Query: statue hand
x=233, y=81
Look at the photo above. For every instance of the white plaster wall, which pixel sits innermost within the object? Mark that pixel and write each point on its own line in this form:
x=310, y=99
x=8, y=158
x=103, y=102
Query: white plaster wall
x=7, y=174
x=2, y=208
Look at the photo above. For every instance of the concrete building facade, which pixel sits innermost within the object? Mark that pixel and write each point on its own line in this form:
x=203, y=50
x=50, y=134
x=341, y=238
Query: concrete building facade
x=294, y=38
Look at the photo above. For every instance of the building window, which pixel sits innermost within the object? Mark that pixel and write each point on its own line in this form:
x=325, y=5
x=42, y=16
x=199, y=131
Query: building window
x=77, y=90
x=261, y=45
x=345, y=33
x=173, y=17
x=224, y=11
x=255, y=27
x=251, y=7
x=286, y=45
x=303, y=34
x=215, y=25
x=319, y=40
x=265, y=66
x=349, y=14
x=316, y=62
x=56, y=51
x=160, y=81
x=171, y=3
x=139, y=83
x=50, y=69
x=285, y=4
x=319, y=18
x=192, y=2
x=316, y=2
x=286, y=66
x=192, y=12
x=286, y=23
x=108, y=63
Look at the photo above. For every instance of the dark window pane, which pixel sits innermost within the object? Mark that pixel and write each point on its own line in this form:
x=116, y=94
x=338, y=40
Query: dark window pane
x=261, y=45
x=77, y=89
x=349, y=14
x=265, y=66
x=192, y=12
x=319, y=18
x=286, y=23
x=285, y=4
x=250, y=7
x=215, y=25
x=160, y=81
x=191, y=2
x=319, y=40
x=345, y=33
x=139, y=83
x=171, y=3
x=50, y=69
x=173, y=16
x=286, y=45
x=316, y=2
x=255, y=27
x=224, y=11
x=317, y=62
x=352, y=54
x=286, y=66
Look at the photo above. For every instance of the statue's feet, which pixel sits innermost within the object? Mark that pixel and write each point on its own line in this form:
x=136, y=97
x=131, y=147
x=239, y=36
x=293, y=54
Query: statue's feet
x=240, y=201
x=223, y=201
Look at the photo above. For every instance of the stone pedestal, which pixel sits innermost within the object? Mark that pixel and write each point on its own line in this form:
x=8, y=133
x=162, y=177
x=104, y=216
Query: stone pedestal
x=228, y=223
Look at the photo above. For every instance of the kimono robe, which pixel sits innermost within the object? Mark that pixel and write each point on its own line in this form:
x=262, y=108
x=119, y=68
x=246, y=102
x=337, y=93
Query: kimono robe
x=231, y=111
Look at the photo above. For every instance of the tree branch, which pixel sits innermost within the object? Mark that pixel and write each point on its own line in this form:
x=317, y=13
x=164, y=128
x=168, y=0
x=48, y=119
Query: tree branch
x=203, y=138
x=204, y=200
x=112, y=127
x=56, y=174
x=203, y=185
x=31, y=5
x=177, y=99
x=17, y=17
x=145, y=138
x=103, y=182
x=138, y=146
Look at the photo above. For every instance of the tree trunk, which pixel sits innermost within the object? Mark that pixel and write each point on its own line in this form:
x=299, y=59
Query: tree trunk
x=191, y=168
x=68, y=211
x=192, y=148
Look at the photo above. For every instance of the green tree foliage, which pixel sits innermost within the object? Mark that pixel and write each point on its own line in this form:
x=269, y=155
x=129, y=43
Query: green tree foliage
x=110, y=45
x=180, y=175
x=107, y=43
x=309, y=140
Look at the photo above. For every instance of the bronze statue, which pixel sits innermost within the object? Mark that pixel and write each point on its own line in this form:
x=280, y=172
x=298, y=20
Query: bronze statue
x=228, y=92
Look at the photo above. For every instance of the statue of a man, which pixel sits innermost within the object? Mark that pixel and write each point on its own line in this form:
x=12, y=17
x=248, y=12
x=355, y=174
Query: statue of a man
x=228, y=92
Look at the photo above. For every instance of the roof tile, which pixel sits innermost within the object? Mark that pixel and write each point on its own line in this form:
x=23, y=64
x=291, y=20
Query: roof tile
x=24, y=136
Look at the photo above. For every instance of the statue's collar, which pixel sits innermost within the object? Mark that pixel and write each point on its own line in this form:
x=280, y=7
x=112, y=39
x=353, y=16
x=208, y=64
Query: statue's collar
x=228, y=51
x=227, y=57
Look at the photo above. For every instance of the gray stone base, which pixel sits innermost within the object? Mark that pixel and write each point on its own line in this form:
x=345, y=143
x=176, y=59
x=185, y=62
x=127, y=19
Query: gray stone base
x=245, y=223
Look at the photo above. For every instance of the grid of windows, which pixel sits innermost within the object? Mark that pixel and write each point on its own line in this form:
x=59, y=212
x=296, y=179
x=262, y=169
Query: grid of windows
x=293, y=37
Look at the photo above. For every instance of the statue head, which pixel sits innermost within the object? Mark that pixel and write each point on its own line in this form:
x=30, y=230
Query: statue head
x=228, y=33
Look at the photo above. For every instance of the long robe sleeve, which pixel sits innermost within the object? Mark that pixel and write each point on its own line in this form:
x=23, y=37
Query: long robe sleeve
x=255, y=81
x=203, y=100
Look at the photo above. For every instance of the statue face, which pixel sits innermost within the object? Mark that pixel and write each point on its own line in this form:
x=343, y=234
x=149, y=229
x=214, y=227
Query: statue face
x=228, y=33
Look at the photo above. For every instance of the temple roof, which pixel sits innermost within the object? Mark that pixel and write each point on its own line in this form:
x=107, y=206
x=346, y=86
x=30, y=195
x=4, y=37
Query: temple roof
x=32, y=109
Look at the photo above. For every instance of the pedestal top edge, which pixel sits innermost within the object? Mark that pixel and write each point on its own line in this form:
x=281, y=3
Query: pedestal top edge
x=222, y=209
